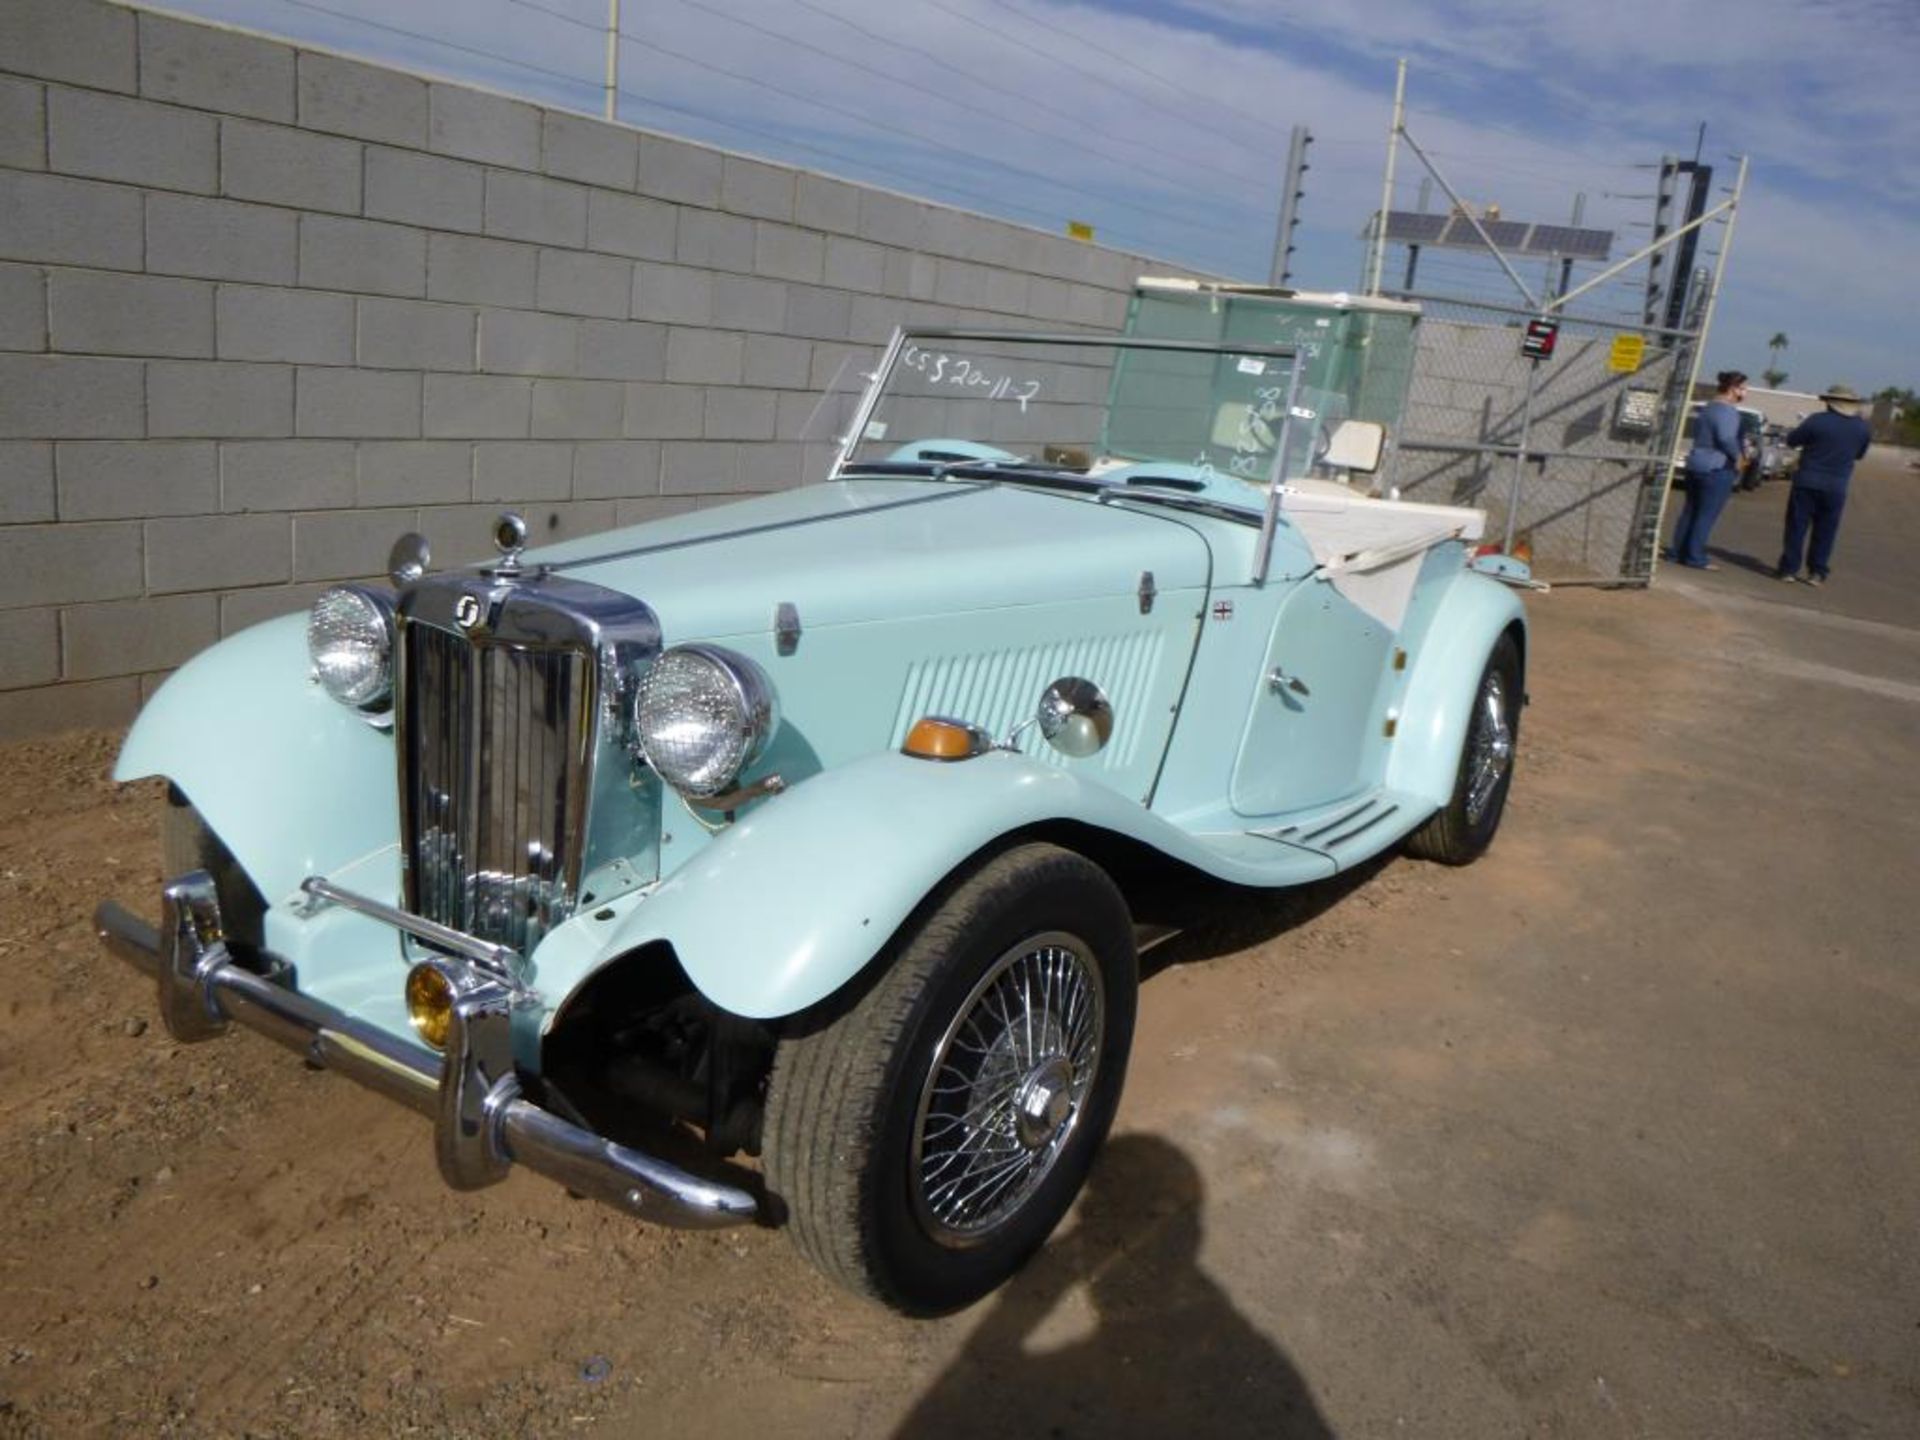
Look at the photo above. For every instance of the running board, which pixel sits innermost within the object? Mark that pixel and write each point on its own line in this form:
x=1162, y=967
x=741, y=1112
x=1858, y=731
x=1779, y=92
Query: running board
x=1355, y=828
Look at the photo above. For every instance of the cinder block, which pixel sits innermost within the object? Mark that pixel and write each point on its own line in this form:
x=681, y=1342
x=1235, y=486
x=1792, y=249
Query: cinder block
x=531, y=207
x=577, y=409
x=364, y=101
x=411, y=335
x=87, y=705
x=677, y=170
x=581, y=284
x=873, y=317
x=474, y=126
x=834, y=366
x=665, y=412
x=375, y=404
x=748, y=187
x=823, y=204
x=787, y=253
x=855, y=265
x=745, y=302
x=796, y=410
x=622, y=350
x=1088, y=305
x=64, y=564
x=95, y=313
x=486, y=272
x=58, y=397
x=23, y=308
x=110, y=137
x=767, y=468
x=219, y=399
x=477, y=406
x=136, y=479
x=220, y=239
x=428, y=190
x=343, y=545
x=576, y=148
x=129, y=637
x=630, y=225
x=29, y=648
x=86, y=43
x=889, y=219
x=958, y=283
x=26, y=482
x=910, y=275
x=704, y=357
x=734, y=413
x=652, y=507
x=509, y=470
x=777, y=362
x=68, y=222
x=521, y=342
x=363, y=255
x=677, y=294
x=615, y=469
x=301, y=326
x=23, y=124
x=199, y=65
x=1007, y=292
x=218, y=552
x=819, y=314
x=415, y=472
x=245, y=608
x=283, y=166
x=715, y=241
x=699, y=467
x=286, y=475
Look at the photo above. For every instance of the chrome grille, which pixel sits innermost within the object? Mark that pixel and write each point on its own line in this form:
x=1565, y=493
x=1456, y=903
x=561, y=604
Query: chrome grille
x=497, y=740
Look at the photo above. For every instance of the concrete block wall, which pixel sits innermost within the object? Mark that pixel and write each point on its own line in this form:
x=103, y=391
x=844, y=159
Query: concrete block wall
x=263, y=308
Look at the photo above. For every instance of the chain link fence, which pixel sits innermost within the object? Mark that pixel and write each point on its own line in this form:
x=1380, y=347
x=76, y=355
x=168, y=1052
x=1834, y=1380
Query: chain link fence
x=1568, y=455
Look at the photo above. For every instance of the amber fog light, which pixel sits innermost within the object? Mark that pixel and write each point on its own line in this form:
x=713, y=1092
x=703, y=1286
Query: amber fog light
x=430, y=1003
x=934, y=737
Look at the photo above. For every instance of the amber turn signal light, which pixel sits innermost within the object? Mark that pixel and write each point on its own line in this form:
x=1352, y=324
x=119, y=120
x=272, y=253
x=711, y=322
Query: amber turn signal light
x=430, y=1003
x=933, y=738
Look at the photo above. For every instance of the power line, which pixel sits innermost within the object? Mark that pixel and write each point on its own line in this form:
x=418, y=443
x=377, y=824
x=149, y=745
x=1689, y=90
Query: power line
x=885, y=78
x=927, y=140
x=574, y=80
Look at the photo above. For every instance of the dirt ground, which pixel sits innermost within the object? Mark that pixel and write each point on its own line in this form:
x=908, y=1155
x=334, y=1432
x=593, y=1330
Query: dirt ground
x=1612, y=1134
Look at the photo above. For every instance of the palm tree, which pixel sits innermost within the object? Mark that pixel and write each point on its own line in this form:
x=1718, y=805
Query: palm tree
x=1774, y=375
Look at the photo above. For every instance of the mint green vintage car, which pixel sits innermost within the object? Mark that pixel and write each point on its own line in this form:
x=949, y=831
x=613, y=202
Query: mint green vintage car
x=795, y=830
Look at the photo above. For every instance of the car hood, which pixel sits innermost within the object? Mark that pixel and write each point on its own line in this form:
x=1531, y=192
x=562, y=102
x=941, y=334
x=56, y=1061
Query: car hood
x=866, y=550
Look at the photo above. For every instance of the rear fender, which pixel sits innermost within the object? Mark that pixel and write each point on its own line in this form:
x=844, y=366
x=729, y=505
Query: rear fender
x=293, y=783
x=1448, y=660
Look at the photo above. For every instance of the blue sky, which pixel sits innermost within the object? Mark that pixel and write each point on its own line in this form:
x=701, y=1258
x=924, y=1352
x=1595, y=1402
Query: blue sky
x=1164, y=122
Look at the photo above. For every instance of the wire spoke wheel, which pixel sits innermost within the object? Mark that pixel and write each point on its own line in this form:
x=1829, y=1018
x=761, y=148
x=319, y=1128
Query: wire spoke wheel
x=1490, y=752
x=1007, y=1087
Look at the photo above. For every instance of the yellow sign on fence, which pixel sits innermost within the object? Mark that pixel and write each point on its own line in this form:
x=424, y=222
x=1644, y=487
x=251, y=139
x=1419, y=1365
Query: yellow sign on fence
x=1627, y=353
x=1080, y=230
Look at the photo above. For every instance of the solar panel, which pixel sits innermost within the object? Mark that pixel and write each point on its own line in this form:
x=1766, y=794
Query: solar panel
x=1570, y=241
x=1413, y=228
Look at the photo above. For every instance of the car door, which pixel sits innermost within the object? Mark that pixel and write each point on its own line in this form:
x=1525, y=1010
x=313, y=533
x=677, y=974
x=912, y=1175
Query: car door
x=1314, y=703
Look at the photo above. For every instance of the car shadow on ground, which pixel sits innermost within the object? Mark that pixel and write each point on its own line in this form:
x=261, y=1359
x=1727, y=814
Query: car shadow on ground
x=1167, y=1352
x=1214, y=918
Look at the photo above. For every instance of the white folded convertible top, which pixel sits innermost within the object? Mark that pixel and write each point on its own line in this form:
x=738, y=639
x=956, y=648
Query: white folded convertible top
x=1371, y=550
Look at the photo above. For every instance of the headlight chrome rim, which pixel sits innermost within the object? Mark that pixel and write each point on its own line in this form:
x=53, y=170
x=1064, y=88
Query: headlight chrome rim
x=696, y=765
x=353, y=665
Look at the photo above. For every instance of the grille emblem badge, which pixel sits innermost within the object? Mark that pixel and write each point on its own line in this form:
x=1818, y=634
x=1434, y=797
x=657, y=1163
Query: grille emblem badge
x=466, y=611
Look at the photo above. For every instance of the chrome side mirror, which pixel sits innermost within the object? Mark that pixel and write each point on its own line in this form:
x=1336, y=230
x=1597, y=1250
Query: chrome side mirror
x=407, y=561
x=1075, y=717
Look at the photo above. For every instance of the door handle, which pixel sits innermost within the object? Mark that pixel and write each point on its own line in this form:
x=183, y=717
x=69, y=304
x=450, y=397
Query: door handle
x=1278, y=680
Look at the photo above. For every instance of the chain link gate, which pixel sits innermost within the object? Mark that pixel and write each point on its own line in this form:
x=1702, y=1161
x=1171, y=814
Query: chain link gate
x=1586, y=492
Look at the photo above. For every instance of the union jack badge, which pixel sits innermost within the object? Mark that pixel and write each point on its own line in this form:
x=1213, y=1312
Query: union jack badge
x=1223, y=609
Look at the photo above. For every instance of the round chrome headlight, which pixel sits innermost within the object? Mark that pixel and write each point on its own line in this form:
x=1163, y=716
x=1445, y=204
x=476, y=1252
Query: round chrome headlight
x=350, y=641
x=701, y=716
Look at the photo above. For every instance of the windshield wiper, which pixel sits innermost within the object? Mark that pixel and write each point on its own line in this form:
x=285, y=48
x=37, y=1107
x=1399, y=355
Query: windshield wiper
x=1175, y=500
x=1023, y=472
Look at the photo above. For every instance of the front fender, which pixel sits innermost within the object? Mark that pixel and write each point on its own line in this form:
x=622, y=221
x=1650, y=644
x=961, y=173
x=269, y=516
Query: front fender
x=1449, y=659
x=292, y=782
x=792, y=901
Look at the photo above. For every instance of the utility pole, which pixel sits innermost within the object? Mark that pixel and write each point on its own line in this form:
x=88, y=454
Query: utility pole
x=1290, y=195
x=1377, y=259
x=611, y=97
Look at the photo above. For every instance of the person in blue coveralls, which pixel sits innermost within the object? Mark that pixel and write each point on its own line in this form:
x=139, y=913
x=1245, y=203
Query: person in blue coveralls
x=1712, y=466
x=1829, y=443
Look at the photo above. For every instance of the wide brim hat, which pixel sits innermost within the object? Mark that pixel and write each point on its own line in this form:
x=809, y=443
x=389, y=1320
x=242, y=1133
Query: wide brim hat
x=1841, y=397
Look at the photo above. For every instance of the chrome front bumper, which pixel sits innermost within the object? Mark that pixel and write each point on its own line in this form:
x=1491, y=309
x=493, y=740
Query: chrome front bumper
x=483, y=1125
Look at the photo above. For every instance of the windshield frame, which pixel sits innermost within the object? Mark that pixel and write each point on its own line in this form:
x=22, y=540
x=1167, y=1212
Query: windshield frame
x=896, y=345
